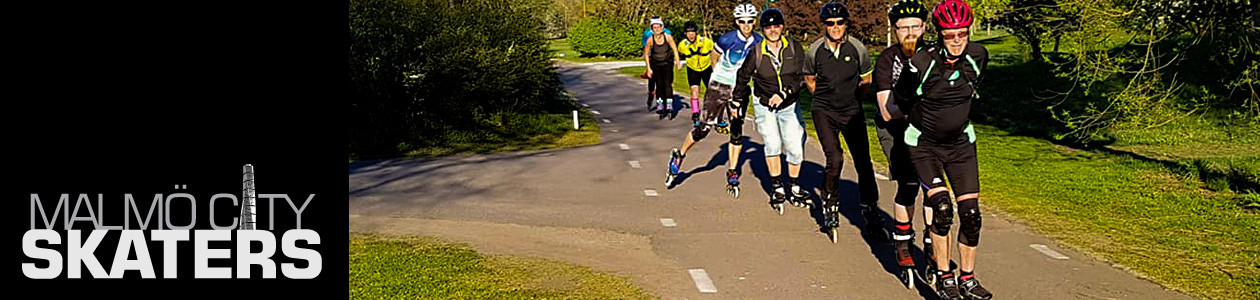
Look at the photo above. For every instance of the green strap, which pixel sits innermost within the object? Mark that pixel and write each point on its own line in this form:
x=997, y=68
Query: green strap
x=925, y=76
x=971, y=133
x=912, y=136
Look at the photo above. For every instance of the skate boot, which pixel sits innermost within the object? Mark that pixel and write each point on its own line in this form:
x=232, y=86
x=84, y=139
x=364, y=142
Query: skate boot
x=675, y=166
x=971, y=289
x=874, y=222
x=778, y=195
x=798, y=196
x=660, y=106
x=903, y=236
x=732, y=183
x=929, y=256
x=651, y=101
x=831, y=218
x=723, y=128
x=947, y=285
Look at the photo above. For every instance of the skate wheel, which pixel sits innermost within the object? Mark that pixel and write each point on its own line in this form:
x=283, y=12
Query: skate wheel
x=930, y=278
x=779, y=208
x=835, y=237
x=668, y=180
x=907, y=278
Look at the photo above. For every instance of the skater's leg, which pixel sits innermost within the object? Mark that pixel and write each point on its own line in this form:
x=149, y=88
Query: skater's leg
x=825, y=124
x=737, y=134
x=772, y=142
x=855, y=136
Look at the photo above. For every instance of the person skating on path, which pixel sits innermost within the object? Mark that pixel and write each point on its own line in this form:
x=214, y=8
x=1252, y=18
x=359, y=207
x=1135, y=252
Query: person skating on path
x=697, y=51
x=721, y=112
x=942, y=145
x=661, y=56
x=775, y=68
x=838, y=72
x=647, y=34
x=895, y=85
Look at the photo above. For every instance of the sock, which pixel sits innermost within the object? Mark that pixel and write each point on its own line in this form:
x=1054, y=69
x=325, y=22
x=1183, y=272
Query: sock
x=966, y=275
x=902, y=227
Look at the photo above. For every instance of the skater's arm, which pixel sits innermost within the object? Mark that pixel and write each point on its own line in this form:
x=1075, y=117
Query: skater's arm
x=742, y=76
x=809, y=83
x=670, y=40
x=647, y=61
x=887, y=109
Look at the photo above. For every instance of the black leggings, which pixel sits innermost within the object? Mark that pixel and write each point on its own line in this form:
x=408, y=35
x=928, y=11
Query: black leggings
x=663, y=78
x=852, y=124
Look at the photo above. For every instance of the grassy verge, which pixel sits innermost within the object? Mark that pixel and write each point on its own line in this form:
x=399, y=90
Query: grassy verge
x=551, y=131
x=385, y=266
x=564, y=51
x=1125, y=210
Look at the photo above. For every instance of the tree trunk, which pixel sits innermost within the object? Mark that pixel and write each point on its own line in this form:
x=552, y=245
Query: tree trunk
x=1056, y=43
x=1035, y=43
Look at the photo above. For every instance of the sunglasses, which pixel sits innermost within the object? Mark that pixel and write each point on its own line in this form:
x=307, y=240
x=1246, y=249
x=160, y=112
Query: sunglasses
x=833, y=23
x=960, y=35
x=744, y=21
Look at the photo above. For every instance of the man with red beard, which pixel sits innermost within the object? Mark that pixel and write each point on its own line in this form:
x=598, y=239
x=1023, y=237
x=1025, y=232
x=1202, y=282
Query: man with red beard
x=894, y=86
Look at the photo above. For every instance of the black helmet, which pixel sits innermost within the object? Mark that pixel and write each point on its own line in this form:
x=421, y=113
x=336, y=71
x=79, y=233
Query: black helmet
x=690, y=26
x=907, y=9
x=833, y=10
x=771, y=17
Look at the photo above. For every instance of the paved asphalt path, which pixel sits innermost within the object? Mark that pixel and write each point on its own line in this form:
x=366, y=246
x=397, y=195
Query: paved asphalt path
x=602, y=206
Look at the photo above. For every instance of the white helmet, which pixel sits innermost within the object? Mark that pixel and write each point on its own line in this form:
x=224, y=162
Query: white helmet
x=745, y=10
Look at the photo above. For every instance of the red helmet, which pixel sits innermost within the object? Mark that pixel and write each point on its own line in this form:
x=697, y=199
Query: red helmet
x=951, y=14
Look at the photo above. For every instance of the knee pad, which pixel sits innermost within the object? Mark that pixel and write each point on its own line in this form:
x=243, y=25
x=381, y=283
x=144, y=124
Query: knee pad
x=906, y=192
x=942, y=212
x=699, y=132
x=969, y=222
x=737, y=131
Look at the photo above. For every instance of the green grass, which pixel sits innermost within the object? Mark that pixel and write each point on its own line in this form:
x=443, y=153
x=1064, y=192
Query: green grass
x=564, y=51
x=409, y=267
x=1126, y=210
x=520, y=133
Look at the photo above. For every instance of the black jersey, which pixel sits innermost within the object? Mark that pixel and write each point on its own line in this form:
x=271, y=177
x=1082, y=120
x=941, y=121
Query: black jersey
x=839, y=73
x=946, y=90
x=892, y=73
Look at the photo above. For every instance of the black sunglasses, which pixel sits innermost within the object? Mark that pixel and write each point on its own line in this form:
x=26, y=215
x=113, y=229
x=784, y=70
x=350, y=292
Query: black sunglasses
x=833, y=23
x=744, y=21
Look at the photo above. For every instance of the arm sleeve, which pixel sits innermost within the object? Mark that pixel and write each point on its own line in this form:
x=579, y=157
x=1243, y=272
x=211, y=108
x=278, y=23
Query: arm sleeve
x=808, y=68
x=864, y=57
x=742, y=76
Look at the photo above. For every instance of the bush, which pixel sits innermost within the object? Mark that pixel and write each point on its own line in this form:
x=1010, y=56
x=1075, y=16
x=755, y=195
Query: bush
x=605, y=37
x=419, y=68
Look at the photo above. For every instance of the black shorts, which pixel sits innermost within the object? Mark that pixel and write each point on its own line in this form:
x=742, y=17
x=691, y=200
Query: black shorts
x=955, y=160
x=696, y=78
x=892, y=139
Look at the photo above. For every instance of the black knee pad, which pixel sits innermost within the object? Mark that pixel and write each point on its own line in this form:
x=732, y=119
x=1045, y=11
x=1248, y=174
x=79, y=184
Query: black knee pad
x=737, y=131
x=906, y=192
x=942, y=212
x=969, y=222
x=699, y=132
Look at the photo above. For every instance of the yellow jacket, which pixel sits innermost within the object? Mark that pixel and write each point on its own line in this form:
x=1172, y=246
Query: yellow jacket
x=696, y=54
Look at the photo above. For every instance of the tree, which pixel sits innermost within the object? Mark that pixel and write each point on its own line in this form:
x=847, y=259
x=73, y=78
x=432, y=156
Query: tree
x=1032, y=20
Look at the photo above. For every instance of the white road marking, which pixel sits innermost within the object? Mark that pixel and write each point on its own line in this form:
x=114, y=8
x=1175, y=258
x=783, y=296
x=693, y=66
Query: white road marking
x=615, y=130
x=607, y=121
x=586, y=105
x=668, y=223
x=1048, y=252
x=595, y=112
x=635, y=164
x=703, y=283
x=649, y=192
x=624, y=146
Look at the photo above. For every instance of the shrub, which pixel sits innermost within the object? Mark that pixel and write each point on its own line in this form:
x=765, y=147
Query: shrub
x=605, y=37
